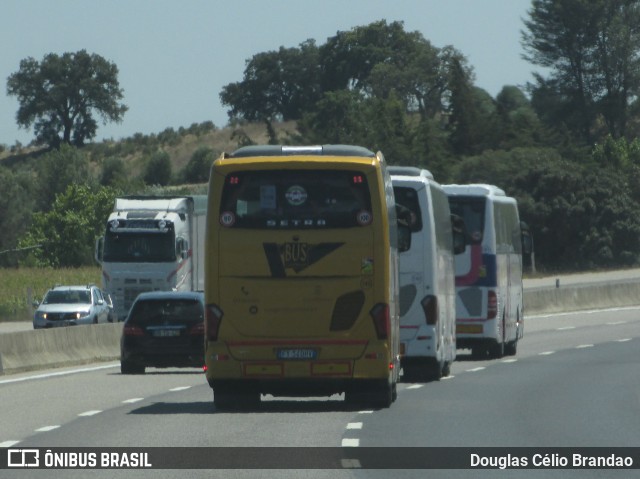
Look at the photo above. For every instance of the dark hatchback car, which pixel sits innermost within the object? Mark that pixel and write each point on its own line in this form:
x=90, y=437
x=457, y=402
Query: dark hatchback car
x=163, y=329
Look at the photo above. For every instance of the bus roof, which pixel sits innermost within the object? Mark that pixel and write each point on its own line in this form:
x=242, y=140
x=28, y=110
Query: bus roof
x=474, y=190
x=409, y=171
x=313, y=150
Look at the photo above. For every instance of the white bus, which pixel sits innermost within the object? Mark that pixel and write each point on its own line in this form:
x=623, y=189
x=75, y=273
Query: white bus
x=489, y=296
x=427, y=276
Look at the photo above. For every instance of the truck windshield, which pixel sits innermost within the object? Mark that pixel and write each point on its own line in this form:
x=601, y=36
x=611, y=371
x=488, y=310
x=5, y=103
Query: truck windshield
x=139, y=247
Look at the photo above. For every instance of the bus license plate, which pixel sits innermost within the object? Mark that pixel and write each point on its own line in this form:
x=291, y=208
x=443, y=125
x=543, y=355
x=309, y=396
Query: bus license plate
x=300, y=354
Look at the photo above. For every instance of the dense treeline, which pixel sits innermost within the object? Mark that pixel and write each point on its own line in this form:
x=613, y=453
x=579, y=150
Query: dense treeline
x=565, y=144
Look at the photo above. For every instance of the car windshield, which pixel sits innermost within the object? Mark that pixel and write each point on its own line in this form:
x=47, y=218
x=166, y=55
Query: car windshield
x=67, y=297
x=164, y=311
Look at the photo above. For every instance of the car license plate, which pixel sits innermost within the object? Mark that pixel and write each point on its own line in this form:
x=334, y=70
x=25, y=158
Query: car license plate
x=300, y=354
x=166, y=333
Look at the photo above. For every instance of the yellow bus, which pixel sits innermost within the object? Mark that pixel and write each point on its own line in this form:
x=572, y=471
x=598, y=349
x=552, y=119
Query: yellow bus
x=301, y=276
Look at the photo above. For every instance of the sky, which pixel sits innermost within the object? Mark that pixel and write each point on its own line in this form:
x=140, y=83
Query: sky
x=175, y=56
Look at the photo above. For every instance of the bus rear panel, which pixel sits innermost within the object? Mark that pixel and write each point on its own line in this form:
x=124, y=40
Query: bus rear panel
x=300, y=282
x=489, y=296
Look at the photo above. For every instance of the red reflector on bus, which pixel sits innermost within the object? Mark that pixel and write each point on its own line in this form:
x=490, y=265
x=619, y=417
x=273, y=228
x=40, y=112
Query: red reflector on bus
x=212, y=317
x=492, y=305
x=381, y=320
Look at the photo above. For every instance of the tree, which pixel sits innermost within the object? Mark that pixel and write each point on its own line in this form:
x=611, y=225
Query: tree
x=199, y=166
x=113, y=172
x=68, y=231
x=61, y=95
x=465, y=118
x=158, y=169
x=277, y=85
x=59, y=169
x=339, y=117
x=591, y=50
x=16, y=206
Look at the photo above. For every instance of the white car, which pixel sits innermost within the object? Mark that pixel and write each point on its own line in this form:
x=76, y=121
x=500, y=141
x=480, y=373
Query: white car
x=71, y=305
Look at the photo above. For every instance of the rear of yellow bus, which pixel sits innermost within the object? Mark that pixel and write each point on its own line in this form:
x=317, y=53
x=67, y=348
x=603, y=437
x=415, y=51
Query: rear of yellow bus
x=301, y=276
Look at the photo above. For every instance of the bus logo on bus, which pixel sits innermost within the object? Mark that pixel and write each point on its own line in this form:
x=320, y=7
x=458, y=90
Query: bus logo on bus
x=295, y=255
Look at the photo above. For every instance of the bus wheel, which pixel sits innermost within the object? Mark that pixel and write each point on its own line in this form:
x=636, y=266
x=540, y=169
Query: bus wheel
x=382, y=395
x=511, y=348
x=479, y=352
x=497, y=350
x=226, y=397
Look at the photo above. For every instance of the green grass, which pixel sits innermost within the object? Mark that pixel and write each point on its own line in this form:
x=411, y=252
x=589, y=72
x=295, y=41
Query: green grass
x=17, y=286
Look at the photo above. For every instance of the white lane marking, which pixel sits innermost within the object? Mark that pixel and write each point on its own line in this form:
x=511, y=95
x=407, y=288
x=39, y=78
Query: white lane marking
x=367, y=411
x=415, y=386
x=566, y=328
x=624, y=340
x=475, y=369
x=509, y=361
x=588, y=311
x=350, y=442
x=8, y=443
x=450, y=376
x=583, y=346
x=181, y=388
x=132, y=400
x=615, y=323
x=354, y=425
x=546, y=353
x=350, y=464
x=47, y=428
x=89, y=413
x=59, y=373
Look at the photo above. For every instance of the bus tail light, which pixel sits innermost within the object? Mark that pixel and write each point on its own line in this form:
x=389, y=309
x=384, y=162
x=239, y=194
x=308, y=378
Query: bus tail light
x=430, y=308
x=213, y=317
x=381, y=320
x=492, y=305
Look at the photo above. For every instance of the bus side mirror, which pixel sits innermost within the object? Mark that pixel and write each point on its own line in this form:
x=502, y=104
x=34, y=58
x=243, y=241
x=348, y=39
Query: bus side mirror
x=404, y=238
x=99, y=250
x=527, y=239
x=458, y=230
x=182, y=247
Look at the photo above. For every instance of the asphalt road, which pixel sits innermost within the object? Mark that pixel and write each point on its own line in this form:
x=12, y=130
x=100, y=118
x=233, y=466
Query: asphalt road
x=574, y=383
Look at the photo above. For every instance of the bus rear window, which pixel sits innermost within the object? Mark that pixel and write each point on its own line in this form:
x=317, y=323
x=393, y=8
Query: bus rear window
x=471, y=210
x=292, y=199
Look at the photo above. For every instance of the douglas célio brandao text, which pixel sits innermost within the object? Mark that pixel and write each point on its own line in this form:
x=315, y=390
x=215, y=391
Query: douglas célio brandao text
x=550, y=461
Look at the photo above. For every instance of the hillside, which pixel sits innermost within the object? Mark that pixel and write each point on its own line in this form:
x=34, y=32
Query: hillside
x=179, y=144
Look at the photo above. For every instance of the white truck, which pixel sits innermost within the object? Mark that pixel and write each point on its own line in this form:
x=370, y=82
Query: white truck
x=152, y=243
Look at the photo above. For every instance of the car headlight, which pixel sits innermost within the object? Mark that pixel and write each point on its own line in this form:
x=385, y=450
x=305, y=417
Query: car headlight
x=82, y=314
x=41, y=315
